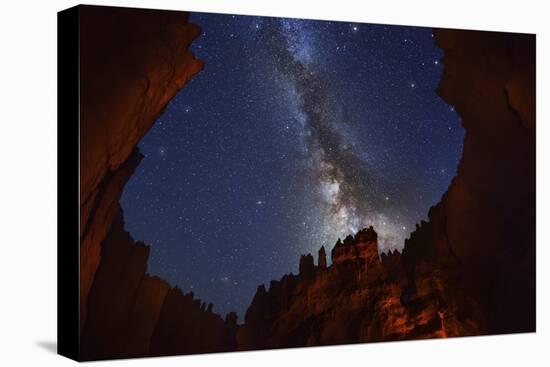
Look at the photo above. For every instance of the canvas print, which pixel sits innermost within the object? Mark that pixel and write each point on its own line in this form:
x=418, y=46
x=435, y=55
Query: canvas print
x=251, y=182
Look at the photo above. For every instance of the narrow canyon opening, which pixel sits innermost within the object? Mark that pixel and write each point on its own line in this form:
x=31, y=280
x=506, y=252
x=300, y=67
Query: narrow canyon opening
x=296, y=133
x=287, y=136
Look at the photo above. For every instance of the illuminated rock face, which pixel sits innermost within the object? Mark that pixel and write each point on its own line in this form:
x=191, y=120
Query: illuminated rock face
x=359, y=298
x=362, y=246
x=469, y=270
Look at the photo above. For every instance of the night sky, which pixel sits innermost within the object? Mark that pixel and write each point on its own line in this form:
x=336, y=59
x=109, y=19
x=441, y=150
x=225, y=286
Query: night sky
x=296, y=133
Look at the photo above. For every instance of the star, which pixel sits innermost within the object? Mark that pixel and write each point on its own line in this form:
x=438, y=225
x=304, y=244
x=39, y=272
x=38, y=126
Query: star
x=412, y=84
x=354, y=28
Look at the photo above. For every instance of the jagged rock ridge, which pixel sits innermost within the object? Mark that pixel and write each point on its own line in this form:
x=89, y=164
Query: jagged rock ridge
x=356, y=299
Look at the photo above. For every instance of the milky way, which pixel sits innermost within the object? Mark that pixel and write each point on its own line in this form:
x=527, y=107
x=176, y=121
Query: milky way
x=295, y=134
x=346, y=186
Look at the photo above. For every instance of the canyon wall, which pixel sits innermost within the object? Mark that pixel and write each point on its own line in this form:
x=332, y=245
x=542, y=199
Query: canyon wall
x=132, y=63
x=468, y=270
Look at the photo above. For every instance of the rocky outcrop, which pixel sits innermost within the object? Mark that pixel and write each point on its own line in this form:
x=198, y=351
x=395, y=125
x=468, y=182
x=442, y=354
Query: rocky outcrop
x=359, y=298
x=470, y=269
x=488, y=214
x=132, y=63
x=363, y=246
x=322, y=258
x=134, y=314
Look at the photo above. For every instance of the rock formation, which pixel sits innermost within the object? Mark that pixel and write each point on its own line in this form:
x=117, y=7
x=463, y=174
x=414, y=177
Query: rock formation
x=469, y=270
x=359, y=298
x=132, y=63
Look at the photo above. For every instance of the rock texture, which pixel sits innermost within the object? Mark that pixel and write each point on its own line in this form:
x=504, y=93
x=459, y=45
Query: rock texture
x=488, y=213
x=132, y=63
x=469, y=270
x=361, y=297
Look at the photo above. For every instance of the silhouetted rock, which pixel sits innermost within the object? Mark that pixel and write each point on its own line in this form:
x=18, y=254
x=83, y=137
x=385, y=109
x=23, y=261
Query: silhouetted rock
x=306, y=265
x=132, y=62
x=137, y=58
x=322, y=261
x=349, y=241
x=184, y=328
x=366, y=235
x=231, y=319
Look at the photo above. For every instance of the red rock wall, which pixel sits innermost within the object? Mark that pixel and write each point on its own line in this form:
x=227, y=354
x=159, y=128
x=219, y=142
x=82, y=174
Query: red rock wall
x=490, y=206
x=132, y=63
x=359, y=298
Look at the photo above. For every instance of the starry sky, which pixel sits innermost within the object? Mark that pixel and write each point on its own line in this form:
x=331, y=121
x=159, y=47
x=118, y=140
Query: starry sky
x=295, y=134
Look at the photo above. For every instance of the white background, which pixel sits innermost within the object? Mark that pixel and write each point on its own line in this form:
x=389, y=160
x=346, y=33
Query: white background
x=28, y=182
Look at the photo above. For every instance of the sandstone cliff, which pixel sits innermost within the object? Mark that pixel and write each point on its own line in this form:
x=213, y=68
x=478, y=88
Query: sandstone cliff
x=132, y=63
x=361, y=297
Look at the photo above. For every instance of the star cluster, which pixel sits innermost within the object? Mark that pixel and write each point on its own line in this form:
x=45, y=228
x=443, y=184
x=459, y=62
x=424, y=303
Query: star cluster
x=295, y=134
